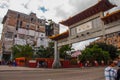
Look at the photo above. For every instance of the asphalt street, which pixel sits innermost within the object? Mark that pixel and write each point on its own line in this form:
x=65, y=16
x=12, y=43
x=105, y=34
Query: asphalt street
x=92, y=73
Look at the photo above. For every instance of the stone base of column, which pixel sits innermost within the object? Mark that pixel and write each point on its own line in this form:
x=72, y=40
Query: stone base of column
x=56, y=64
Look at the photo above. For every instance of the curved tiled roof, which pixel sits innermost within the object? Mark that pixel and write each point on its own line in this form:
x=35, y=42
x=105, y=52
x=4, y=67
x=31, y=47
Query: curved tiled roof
x=102, y=5
x=114, y=16
x=60, y=36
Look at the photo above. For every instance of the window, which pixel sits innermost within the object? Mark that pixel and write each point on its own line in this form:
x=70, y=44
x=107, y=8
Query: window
x=38, y=27
x=27, y=26
x=9, y=35
x=42, y=23
x=31, y=19
x=20, y=23
x=21, y=36
x=31, y=37
x=15, y=35
x=41, y=34
x=41, y=39
x=118, y=33
x=17, y=25
x=18, y=16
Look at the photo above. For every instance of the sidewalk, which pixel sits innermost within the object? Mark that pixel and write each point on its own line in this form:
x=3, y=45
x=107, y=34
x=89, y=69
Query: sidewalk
x=17, y=68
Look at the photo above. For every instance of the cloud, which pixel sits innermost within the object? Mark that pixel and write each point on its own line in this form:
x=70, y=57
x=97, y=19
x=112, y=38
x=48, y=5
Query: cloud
x=4, y=4
x=61, y=13
x=72, y=7
x=63, y=28
x=1, y=19
x=80, y=5
x=81, y=45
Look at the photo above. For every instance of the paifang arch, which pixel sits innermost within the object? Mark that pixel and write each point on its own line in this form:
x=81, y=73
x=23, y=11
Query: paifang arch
x=88, y=24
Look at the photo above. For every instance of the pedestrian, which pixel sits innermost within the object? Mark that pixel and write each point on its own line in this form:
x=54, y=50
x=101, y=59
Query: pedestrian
x=118, y=71
x=118, y=74
x=118, y=62
x=38, y=64
x=110, y=73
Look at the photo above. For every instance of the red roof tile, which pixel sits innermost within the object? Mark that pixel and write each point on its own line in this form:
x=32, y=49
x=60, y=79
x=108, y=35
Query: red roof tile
x=102, y=5
x=60, y=36
x=111, y=17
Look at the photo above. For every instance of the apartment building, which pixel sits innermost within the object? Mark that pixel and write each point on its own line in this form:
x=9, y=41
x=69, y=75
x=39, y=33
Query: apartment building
x=113, y=39
x=22, y=29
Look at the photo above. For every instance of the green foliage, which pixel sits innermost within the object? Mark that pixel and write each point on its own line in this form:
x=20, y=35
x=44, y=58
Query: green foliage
x=22, y=51
x=112, y=50
x=63, y=51
x=118, y=52
x=94, y=53
x=73, y=61
x=46, y=52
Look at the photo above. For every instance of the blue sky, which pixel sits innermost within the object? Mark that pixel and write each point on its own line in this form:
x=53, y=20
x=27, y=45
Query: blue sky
x=57, y=10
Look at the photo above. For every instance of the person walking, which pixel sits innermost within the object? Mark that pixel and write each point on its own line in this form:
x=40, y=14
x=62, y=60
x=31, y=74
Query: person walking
x=109, y=72
x=118, y=62
x=118, y=74
x=118, y=71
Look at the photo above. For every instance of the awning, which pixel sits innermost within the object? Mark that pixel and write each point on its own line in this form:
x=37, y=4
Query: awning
x=76, y=53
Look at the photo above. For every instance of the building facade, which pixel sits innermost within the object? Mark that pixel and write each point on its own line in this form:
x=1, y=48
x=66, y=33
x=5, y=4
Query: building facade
x=22, y=29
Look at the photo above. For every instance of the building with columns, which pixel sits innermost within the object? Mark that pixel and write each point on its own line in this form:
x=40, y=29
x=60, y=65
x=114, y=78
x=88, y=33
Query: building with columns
x=22, y=29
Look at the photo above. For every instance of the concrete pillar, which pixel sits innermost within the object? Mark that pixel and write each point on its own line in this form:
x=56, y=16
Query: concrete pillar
x=56, y=63
x=11, y=56
x=1, y=55
x=103, y=26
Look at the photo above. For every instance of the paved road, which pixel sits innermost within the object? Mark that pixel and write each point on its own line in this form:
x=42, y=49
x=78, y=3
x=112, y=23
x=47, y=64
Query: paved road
x=54, y=74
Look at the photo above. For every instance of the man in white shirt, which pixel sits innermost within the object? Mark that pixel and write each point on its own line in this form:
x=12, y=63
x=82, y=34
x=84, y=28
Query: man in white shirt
x=110, y=72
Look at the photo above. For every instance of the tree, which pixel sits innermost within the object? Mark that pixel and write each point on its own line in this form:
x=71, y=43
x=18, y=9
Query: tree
x=118, y=52
x=63, y=51
x=41, y=52
x=46, y=52
x=22, y=51
x=94, y=53
x=112, y=50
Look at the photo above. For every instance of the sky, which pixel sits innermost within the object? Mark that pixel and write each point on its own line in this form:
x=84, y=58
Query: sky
x=57, y=10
